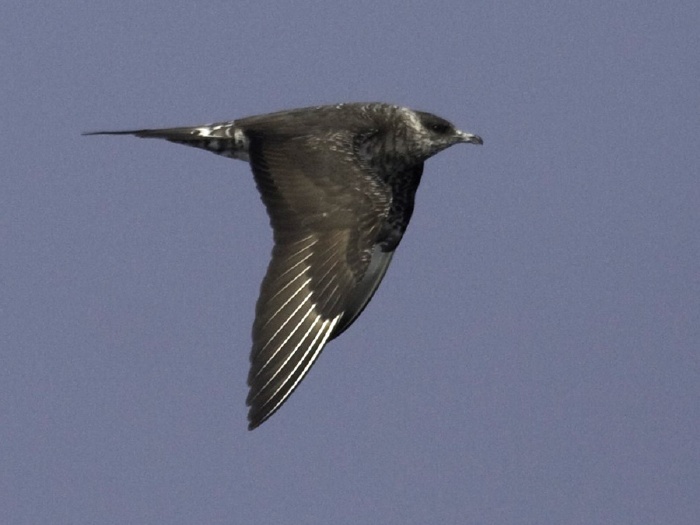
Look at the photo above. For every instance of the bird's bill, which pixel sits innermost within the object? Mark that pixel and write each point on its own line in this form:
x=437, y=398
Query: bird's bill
x=470, y=138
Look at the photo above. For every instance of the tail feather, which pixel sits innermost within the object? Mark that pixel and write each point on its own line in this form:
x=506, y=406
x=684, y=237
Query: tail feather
x=223, y=130
x=222, y=138
x=166, y=133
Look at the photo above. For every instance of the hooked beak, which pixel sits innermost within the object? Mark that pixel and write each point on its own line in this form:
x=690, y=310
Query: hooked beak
x=469, y=137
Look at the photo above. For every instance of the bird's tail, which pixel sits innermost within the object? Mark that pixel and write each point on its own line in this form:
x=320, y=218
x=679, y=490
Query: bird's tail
x=184, y=133
x=223, y=138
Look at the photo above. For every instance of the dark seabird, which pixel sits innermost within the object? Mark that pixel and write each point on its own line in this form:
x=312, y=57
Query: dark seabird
x=339, y=184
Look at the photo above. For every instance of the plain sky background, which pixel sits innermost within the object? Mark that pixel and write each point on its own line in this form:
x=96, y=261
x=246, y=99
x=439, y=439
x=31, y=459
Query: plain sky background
x=532, y=356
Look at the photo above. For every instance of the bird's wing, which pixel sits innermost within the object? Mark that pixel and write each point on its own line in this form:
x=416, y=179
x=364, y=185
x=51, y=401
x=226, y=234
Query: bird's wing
x=326, y=212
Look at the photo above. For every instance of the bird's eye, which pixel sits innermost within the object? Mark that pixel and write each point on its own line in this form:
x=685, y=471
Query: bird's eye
x=440, y=129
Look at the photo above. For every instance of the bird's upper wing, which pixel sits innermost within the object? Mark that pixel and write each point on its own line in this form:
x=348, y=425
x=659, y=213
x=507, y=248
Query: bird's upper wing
x=326, y=211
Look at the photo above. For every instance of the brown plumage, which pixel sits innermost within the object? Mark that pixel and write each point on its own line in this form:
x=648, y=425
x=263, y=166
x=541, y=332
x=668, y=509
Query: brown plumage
x=339, y=184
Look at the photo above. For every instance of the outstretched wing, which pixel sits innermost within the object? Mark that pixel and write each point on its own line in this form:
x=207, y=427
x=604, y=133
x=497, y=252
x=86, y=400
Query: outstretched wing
x=326, y=211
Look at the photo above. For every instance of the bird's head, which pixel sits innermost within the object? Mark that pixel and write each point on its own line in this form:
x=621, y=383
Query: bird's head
x=434, y=134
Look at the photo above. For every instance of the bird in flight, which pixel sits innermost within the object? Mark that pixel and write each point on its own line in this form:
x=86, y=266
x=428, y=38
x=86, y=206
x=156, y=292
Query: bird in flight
x=339, y=184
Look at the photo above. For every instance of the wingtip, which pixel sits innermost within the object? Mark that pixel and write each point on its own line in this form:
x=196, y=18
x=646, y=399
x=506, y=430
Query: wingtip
x=257, y=416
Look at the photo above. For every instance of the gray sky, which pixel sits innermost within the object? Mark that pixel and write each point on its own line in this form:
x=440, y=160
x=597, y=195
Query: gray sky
x=531, y=357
